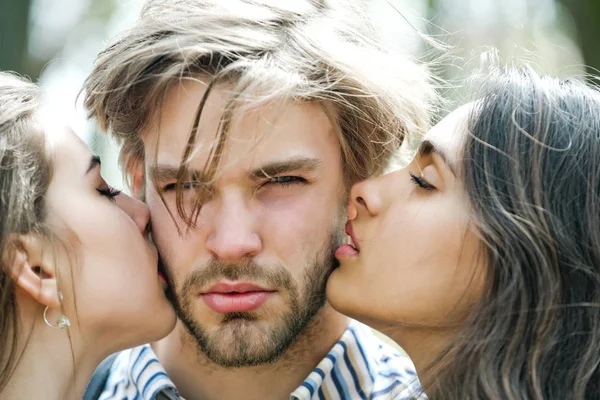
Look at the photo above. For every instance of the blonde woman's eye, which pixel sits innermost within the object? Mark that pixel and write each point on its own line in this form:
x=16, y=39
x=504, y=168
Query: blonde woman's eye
x=109, y=192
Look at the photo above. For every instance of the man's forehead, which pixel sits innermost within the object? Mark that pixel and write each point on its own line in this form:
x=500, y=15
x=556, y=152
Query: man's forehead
x=273, y=129
x=170, y=129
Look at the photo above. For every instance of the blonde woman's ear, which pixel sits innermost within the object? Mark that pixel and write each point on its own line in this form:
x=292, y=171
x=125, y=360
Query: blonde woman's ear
x=30, y=267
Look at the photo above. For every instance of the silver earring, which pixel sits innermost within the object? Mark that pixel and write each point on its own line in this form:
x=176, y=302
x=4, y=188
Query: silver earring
x=62, y=322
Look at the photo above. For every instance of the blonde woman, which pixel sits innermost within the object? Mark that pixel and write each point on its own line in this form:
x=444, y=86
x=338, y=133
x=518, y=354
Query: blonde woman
x=79, y=278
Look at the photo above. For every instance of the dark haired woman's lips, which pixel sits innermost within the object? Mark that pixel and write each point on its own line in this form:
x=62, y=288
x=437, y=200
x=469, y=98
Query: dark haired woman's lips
x=346, y=251
x=351, y=248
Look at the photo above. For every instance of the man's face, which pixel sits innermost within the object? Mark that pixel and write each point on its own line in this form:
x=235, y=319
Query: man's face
x=251, y=275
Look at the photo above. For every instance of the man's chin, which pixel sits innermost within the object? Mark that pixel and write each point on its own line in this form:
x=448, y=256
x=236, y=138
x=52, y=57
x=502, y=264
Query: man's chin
x=242, y=342
x=232, y=327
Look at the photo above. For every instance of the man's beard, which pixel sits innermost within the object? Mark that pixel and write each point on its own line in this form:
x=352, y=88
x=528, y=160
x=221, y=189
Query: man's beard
x=240, y=340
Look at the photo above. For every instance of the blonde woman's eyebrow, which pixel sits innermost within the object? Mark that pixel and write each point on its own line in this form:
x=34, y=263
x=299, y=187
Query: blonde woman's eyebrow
x=94, y=162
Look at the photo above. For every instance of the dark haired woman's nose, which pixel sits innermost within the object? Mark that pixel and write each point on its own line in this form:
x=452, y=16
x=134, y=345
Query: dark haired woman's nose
x=137, y=211
x=365, y=198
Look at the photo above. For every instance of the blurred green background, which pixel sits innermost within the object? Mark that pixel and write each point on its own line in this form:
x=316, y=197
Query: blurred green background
x=55, y=42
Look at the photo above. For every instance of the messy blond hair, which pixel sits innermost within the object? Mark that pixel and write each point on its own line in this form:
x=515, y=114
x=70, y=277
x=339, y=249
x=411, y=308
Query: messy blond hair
x=305, y=50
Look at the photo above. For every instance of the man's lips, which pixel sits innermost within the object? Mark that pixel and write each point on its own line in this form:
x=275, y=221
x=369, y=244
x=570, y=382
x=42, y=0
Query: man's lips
x=235, y=287
x=228, y=297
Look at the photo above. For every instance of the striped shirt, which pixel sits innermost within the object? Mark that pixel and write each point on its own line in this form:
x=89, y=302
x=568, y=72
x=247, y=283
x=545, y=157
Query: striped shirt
x=359, y=366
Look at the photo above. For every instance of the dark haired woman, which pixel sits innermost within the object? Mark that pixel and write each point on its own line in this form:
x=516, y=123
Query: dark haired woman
x=481, y=258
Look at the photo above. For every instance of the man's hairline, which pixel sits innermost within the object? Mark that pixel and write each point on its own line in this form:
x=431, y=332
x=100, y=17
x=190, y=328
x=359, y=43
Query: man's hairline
x=146, y=130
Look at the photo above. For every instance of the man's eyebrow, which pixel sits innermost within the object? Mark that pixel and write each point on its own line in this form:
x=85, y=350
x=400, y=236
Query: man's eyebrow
x=164, y=173
x=273, y=168
x=427, y=147
x=94, y=162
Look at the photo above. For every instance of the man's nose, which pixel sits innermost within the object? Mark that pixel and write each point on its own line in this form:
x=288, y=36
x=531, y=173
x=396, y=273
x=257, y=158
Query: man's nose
x=233, y=236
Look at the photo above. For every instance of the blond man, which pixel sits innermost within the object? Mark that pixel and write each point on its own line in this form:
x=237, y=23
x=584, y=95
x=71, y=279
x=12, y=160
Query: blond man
x=243, y=124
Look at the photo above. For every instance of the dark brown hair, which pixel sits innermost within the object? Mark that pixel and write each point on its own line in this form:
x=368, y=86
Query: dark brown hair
x=531, y=165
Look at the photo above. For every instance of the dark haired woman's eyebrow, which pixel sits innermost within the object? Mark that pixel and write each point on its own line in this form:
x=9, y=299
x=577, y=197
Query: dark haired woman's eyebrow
x=94, y=162
x=427, y=148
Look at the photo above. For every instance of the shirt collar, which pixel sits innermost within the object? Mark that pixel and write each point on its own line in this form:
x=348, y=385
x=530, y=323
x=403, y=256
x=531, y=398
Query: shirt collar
x=350, y=350
x=351, y=358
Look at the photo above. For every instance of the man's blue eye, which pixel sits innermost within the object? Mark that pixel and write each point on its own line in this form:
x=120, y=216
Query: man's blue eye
x=190, y=185
x=185, y=186
x=281, y=179
x=286, y=180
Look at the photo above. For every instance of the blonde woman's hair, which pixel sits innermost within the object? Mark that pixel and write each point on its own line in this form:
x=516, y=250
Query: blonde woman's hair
x=25, y=174
x=302, y=50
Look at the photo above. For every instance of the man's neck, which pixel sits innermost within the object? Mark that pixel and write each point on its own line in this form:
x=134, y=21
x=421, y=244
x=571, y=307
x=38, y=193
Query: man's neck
x=197, y=378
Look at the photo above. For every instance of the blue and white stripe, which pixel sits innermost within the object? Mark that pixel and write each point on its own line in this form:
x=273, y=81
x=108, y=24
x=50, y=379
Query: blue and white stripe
x=359, y=366
x=138, y=375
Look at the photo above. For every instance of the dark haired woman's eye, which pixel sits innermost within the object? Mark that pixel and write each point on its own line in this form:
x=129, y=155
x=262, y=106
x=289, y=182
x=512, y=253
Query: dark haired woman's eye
x=109, y=192
x=421, y=182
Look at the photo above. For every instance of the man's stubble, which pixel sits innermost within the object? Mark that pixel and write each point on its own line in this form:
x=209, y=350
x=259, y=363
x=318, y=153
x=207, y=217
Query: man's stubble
x=242, y=339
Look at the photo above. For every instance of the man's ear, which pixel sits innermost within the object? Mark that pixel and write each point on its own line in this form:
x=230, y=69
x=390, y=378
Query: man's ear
x=29, y=263
x=135, y=171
